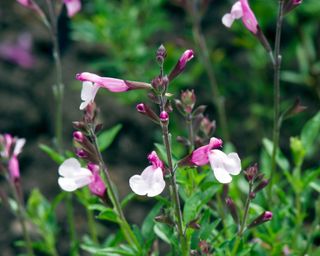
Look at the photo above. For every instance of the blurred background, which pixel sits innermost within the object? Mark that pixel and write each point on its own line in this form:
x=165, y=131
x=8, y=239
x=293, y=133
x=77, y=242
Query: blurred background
x=119, y=39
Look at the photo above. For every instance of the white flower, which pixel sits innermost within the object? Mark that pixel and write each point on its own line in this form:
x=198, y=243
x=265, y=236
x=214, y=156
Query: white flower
x=150, y=182
x=236, y=13
x=18, y=146
x=73, y=176
x=223, y=165
x=88, y=93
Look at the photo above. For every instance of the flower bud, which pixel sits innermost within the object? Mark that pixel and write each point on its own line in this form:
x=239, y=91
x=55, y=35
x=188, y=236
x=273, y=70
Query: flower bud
x=164, y=219
x=81, y=153
x=161, y=54
x=181, y=64
x=164, y=116
x=261, y=185
x=147, y=111
x=264, y=217
x=188, y=99
x=204, y=247
x=251, y=173
x=78, y=136
x=233, y=209
x=207, y=127
x=93, y=167
x=290, y=5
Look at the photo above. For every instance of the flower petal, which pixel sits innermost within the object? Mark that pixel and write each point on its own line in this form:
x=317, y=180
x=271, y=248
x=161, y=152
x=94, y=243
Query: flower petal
x=223, y=165
x=158, y=183
x=236, y=10
x=73, y=6
x=18, y=146
x=67, y=184
x=227, y=20
x=88, y=93
x=138, y=185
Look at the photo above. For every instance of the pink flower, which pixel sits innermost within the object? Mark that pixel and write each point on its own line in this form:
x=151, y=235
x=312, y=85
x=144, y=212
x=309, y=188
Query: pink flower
x=73, y=6
x=112, y=84
x=241, y=9
x=181, y=64
x=10, y=153
x=200, y=155
x=18, y=52
x=150, y=182
x=97, y=186
x=73, y=176
x=223, y=165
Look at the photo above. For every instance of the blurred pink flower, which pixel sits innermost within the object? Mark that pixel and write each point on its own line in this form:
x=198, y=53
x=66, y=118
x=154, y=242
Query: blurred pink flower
x=73, y=7
x=241, y=9
x=150, y=182
x=27, y=3
x=18, y=52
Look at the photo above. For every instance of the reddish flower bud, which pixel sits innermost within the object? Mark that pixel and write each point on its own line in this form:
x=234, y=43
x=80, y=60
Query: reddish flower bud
x=251, y=173
x=147, y=111
x=204, y=247
x=261, y=185
x=264, y=217
x=164, y=116
x=290, y=5
x=181, y=64
x=207, y=126
x=81, y=153
x=78, y=136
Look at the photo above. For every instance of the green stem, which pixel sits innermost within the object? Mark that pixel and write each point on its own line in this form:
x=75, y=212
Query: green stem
x=58, y=88
x=204, y=56
x=92, y=226
x=246, y=210
x=174, y=194
x=276, y=97
x=125, y=227
x=21, y=216
x=71, y=222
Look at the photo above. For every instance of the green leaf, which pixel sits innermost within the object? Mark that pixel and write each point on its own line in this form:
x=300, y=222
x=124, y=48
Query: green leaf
x=165, y=233
x=280, y=158
x=310, y=132
x=194, y=204
x=127, y=199
x=107, y=137
x=53, y=154
x=148, y=224
x=108, y=214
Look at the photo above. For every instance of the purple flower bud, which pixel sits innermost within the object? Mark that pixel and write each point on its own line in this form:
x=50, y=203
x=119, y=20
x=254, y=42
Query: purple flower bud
x=164, y=116
x=97, y=187
x=141, y=108
x=290, y=5
x=78, y=136
x=147, y=111
x=264, y=217
x=81, y=153
x=261, y=185
x=14, y=170
x=251, y=173
x=181, y=64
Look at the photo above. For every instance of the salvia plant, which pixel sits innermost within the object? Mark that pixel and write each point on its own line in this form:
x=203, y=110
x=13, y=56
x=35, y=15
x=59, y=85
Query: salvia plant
x=207, y=198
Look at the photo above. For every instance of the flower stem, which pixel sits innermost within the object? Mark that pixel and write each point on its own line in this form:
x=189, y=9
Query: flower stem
x=71, y=222
x=173, y=184
x=276, y=97
x=125, y=227
x=204, y=56
x=21, y=215
x=58, y=88
x=246, y=210
x=92, y=227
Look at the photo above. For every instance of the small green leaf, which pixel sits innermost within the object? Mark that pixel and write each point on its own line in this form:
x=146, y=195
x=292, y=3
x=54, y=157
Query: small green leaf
x=53, y=154
x=107, y=137
x=108, y=214
x=310, y=132
x=148, y=224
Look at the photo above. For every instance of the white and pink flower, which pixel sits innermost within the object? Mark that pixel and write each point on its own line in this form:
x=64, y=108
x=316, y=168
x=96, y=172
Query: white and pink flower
x=151, y=181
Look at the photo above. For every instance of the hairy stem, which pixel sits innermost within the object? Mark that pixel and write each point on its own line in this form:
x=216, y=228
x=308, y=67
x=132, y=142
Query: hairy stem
x=276, y=97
